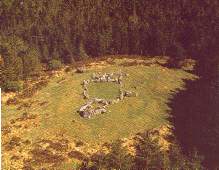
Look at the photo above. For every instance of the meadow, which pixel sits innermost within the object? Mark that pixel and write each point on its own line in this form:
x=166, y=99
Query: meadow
x=56, y=105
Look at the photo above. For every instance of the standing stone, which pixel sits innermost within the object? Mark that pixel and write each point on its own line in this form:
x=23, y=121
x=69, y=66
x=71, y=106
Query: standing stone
x=130, y=94
x=85, y=88
x=100, y=111
x=97, y=100
x=105, y=102
x=121, y=96
x=84, y=107
x=85, y=82
x=120, y=79
x=86, y=96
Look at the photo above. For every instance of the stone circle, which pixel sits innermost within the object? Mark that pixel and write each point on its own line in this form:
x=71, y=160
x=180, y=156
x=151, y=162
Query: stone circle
x=88, y=110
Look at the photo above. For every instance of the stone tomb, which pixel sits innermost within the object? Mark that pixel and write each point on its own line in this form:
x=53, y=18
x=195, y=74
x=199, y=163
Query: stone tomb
x=88, y=110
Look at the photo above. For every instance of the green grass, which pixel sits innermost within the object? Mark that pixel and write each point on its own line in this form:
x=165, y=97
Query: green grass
x=104, y=90
x=154, y=85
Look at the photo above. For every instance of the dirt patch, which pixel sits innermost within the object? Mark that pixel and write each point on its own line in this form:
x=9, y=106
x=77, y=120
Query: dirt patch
x=161, y=135
x=25, y=105
x=43, y=103
x=14, y=142
x=131, y=63
x=25, y=116
x=79, y=143
x=44, y=154
x=77, y=155
x=61, y=145
x=27, y=166
x=164, y=132
x=128, y=64
x=6, y=96
x=26, y=142
x=18, y=125
x=15, y=157
x=13, y=101
x=47, y=154
x=31, y=89
x=6, y=130
x=145, y=62
x=40, y=156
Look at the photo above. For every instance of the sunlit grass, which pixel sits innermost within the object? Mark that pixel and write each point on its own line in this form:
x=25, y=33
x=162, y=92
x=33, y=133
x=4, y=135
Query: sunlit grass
x=154, y=85
x=104, y=90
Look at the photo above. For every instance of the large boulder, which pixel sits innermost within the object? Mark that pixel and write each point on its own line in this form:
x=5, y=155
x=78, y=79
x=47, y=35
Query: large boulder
x=86, y=114
x=130, y=94
x=98, y=100
x=101, y=101
x=85, y=107
x=100, y=111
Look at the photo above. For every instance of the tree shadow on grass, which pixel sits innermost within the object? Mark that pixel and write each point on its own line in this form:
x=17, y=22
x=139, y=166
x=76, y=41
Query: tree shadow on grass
x=195, y=117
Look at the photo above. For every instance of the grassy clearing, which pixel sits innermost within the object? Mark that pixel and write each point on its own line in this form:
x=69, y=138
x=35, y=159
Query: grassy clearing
x=153, y=83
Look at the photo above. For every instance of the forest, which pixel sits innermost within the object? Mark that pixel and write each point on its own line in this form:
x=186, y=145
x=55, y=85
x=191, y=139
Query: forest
x=41, y=31
x=41, y=35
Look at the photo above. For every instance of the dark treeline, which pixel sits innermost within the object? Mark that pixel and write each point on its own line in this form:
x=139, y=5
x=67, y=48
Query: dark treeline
x=70, y=30
x=195, y=116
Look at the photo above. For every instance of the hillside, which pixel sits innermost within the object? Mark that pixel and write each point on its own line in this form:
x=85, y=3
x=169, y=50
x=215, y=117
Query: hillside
x=52, y=113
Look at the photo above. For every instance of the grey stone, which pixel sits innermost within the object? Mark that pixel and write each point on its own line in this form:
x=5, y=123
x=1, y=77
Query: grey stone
x=85, y=82
x=100, y=111
x=86, y=114
x=101, y=101
x=121, y=96
x=130, y=94
x=97, y=100
x=103, y=79
x=84, y=107
x=105, y=106
x=85, y=88
x=120, y=79
x=85, y=94
x=90, y=102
